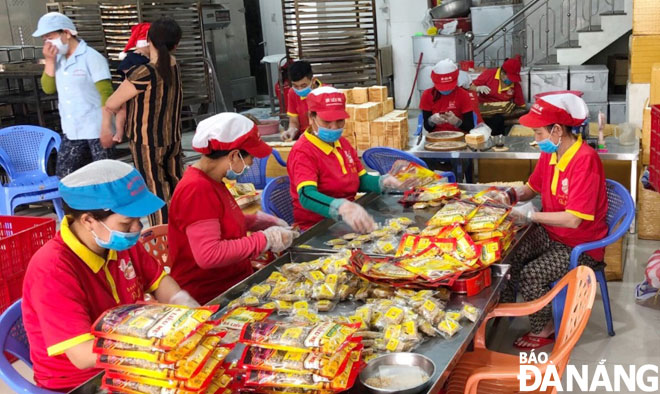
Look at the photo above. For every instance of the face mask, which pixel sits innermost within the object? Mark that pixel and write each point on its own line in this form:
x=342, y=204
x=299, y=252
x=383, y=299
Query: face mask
x=303, y=92
x=118, y=240
x=548, y=146
x=507, y=81
x=232, y=175
x=445, y=92
x=62, y=48
x=329, y=135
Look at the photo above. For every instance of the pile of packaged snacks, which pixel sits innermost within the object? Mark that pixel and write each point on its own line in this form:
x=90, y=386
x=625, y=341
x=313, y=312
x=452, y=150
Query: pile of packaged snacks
x=404, y=170
x=383, y=240
x=432, y=195
x=156, y=348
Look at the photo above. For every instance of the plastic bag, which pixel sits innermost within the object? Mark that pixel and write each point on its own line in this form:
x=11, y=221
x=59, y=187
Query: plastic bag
x=403, y=170
x=454, y=212
x=323, y=337
x=487, y=218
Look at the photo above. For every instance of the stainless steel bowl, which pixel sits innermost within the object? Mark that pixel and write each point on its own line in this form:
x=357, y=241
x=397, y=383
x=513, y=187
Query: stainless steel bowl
x=403, y=359
x=451, y=9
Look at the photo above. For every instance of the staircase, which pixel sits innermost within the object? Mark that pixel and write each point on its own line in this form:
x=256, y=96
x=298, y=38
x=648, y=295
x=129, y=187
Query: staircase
x=566, y=32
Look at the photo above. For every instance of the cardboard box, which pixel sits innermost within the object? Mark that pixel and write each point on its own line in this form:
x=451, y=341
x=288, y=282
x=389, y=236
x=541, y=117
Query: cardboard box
x=618, y=66
x=351, y=109
x=388, y=106
x=367, y=112
x=644, y=52
x=360, y=95
x=654, y=95
x=348, y=93
x=646, y=17
x=646, y=137
x=377, y=94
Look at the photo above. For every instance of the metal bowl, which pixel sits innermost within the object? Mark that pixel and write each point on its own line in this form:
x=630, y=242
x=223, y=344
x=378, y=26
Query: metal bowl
x=403, y=359
x=451, y=9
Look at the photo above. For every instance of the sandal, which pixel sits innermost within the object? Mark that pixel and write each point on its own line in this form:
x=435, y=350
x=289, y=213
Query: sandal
x=534, y=341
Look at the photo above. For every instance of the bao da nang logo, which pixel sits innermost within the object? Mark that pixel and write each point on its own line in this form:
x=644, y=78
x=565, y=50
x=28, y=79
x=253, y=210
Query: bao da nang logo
x=585, y=378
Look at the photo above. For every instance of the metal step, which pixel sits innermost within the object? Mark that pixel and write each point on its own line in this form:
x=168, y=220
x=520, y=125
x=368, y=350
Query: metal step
x=569, y=44
x=617, y=12
x=594, y=28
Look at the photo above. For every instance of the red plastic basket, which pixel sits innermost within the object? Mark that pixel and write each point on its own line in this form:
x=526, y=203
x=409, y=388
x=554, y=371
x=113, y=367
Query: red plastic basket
x=654, y=162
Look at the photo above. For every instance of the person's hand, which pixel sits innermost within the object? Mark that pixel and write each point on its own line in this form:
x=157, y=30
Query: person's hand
x=182, y=297
x=437, y=119
x=388, y=182
x=264, y=220
x=289, y=134
x=523, y=213
x=49, y=51
x=117, y=138
x=107, y=138
x=356, y=217
x=520, y=192
x=279, y=238
x=452, y=119
x=483, y=90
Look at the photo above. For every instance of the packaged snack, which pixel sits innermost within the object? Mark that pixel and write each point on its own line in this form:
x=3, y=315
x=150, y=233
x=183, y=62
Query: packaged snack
x=413, y=230
x=470, y=312
x=491, y=251
x=350, y=236
x=354, y=244
x=261, y=292
x=493, y=194
x=336, y=241
x=237, y=318
x=219, y=383
x=325, y=305
x=404, y=221
x=404, y=170
x=465, y=247
x=454, y=315
x=323, y=337
x=363, y=238
x=276, y=278
x=151, y=325
x=386, y=245
x=454, y=212
x=420, y=205
x=118, y=385
x=448, y=327
x=487, y=218
x=426, y=327
x=431, y=310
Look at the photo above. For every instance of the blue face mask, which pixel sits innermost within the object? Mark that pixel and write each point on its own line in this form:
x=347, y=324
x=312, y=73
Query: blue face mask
x=303, y=92
x=329, y=135
x=233, y=175
x=547, y=146
x=507, y=81
x=445, y=92
x=118, y=240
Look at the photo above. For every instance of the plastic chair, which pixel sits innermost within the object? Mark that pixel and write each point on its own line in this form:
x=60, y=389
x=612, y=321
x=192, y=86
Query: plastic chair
x=24, y=153
x=276, y=199
x=381, y=159
x=256, y=175
x=486, y=371
x=154, y=240
x=620, y=208
x=13, y=340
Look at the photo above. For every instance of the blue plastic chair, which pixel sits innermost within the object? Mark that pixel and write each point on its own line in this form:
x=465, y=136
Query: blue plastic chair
x=621, y=208
x=13, y=340
x=381, y=159
x=24, y=153
x=256, y=175
x=276, y=199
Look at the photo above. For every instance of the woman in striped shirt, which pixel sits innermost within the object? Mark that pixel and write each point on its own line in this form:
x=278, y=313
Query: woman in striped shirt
x=152, y=114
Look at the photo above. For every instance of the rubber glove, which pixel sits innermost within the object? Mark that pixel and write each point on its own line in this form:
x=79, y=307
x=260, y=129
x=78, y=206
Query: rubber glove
x=522, y=213
x=289, y=134
x=520, y=192
x=264, y=220
x=182, y=297
x=452, y=119
x=355, y=216
x=389, y=183
x=279, y=238
x=437, y=119
x=483, y=89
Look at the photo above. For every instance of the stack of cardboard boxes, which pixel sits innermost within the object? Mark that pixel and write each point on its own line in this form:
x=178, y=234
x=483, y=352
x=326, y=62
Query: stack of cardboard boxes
x=373, y=120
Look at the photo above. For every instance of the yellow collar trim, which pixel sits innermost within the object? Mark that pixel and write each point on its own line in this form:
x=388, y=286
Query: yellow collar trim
x=93, y=260
x=500, y=88
x=323, y=146
x=563, y=163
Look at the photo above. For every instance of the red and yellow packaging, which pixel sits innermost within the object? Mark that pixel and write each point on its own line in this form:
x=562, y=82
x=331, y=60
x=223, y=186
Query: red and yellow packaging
x=454, y=212
x=491, y=251
x=487, y=218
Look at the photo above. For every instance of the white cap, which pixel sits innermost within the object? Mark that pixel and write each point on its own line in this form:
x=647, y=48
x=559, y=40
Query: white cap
x=445, y=66
x=228, y=131
x=54, y=21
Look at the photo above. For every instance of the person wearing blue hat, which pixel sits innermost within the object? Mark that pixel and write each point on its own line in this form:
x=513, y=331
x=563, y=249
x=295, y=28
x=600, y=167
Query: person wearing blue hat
x=81, y=78
x=92, y=264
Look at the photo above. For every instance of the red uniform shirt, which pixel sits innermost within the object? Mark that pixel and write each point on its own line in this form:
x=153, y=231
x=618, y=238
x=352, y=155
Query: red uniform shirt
x=475, y=106
x=575, y=184
x=491, y=78
x=66, y=288
x=296, y=107
x=198, y=197
x=334, y=170
x=458, y=102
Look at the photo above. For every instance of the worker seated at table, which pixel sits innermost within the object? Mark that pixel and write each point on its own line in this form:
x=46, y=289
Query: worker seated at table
x=569, y=177
x=208, y=239
x=92, y=264
x=445, y=106
x=302, y=83
x=465, y=82
x=325, y=171
x=136, y=51
x=501, y=84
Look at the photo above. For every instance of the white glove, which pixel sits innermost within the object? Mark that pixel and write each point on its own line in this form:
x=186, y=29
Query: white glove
x=483, y=90
x=289, y=134
x=451, y=118
x=182, y=297
x=523, y=213
x=356, y=217
x=279, y=238
x=437, y=119
x=389, y=183
x=264, y=220
x=520, y=192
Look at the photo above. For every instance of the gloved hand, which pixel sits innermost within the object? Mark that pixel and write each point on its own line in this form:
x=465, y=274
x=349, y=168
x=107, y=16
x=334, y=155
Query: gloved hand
x=356, y=217
x=437, y=119
x=523, y=213
x=289, y=134
x=451, y=118
x=182, y=297
x=279, y=238
x=264, y=220
x=389, y=183
x=520, y=192
x=483, y=89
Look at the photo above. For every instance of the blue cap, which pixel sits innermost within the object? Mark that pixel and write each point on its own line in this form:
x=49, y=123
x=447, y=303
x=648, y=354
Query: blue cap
x=111, y=185
x=54, y=21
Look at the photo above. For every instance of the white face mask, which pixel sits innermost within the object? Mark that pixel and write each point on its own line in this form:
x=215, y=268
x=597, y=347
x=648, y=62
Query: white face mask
x=62, y=48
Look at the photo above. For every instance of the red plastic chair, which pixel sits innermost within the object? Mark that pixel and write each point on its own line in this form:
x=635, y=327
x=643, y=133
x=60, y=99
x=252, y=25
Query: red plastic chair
x=489, y=372
x=154, y=240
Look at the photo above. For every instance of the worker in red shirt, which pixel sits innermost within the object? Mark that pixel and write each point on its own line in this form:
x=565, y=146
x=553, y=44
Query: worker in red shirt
x=569, y=177
x=445, y=107
x=325, y=171
x=465, y=82
x=208, y=239
x=500, y=84
x=302, y=83
x=91, y=265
